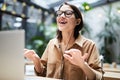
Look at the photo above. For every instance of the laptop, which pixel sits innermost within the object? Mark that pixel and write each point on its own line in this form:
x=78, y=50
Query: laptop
x=11, y=55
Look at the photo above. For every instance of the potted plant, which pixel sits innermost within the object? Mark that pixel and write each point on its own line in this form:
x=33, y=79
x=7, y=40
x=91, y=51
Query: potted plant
x=109, y=35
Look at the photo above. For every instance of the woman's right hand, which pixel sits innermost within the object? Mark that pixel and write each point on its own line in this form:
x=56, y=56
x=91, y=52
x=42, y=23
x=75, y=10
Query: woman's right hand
x=30, y=54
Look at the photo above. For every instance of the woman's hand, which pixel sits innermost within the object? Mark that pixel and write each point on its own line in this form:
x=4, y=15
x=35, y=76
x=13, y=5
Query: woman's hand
x=75, y=57
x=30, y=54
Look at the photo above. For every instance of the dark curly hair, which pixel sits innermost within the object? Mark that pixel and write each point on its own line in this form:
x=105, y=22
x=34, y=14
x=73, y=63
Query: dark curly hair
x=78, y=15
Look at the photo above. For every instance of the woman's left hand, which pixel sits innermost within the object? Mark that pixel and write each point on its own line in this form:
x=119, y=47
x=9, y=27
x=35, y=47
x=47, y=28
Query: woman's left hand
x=75, y=57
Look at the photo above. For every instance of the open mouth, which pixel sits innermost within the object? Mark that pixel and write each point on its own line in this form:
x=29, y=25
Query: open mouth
x=62, y=22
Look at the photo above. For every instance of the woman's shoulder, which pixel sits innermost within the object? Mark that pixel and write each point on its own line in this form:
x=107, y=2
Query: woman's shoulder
x=53, y=41
x=82, y=41
x=87, y=40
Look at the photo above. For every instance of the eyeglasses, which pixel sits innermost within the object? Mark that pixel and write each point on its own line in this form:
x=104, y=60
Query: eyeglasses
x=67, y=13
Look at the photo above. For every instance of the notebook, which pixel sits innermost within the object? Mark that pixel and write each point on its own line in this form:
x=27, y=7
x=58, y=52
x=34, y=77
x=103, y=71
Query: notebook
x=11, y=55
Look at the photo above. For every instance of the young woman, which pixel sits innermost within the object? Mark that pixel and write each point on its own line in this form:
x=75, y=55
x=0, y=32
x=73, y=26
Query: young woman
x=69, y=56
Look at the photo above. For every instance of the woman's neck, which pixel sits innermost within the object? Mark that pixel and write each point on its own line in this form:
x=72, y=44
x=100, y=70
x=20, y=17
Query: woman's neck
x=67, y=38
x=67, y=41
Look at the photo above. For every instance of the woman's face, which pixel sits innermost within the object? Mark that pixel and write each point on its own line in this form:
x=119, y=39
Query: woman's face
x=66, y=20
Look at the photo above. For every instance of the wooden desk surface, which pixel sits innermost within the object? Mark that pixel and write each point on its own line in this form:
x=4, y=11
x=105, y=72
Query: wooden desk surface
x=111, y=76
x=112, y=73
x=116, y=70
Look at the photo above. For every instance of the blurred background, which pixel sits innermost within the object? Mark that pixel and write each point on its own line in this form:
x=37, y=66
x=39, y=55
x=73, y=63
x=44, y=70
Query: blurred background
x=38, y=19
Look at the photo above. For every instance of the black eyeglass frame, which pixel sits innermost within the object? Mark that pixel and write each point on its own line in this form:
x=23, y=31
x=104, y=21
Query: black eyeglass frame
x=67, y=13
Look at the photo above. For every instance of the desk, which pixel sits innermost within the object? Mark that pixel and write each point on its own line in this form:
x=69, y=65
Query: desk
x=116, y=70
x=107, y=76
x=111, y=76
x=38, y=78
x=110, y=73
